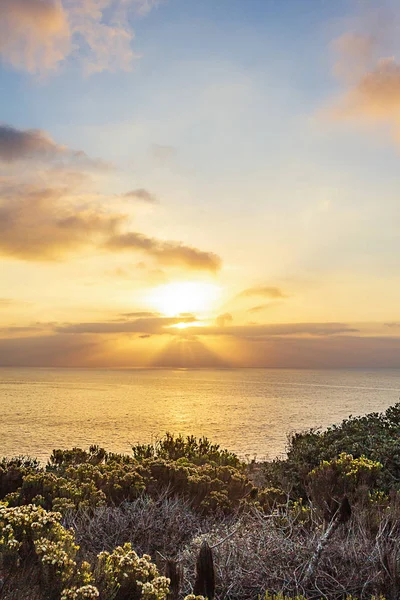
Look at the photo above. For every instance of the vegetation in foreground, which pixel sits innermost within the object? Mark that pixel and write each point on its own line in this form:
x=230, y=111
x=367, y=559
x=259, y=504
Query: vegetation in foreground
x=184, y=518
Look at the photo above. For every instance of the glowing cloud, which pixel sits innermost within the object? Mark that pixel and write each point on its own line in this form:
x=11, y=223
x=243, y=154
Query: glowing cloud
x=38, y=35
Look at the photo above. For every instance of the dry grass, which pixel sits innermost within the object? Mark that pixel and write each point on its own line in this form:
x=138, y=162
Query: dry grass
x=163, y=525
x=253, y=552
x=261, y=553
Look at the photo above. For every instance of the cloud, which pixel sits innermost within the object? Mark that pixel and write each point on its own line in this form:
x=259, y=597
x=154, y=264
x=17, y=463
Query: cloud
x=372, y=83
x=222, y=320
x=282, y=329
x=38, y=35
x=34, y=144
x=375, y=96
x=150, y=325
x=49, y=222
x=63, y=350
x=45, y=224
x=17, y=144
x=259, y=308
x=266, y=291
x=141, y=194
x=354, y=54
x=139, y=314
x=34, y=34
x=36, y=225
x=167, y=253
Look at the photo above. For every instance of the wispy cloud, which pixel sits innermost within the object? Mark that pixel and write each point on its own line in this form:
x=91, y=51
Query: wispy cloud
x=166, y=253
x=142, y=195
x=260, y=307
x=280, y=329
x=262, y=290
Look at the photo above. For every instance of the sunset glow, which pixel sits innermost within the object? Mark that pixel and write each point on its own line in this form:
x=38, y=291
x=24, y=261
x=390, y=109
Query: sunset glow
x=185, y=297
x=240, y=193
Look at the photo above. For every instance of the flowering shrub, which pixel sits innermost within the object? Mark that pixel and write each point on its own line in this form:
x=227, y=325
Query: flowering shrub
x=85, y=592
x=125, y=576
x=30, y=534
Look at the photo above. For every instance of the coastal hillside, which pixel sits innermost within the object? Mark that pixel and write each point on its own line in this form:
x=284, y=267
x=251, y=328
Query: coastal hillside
x=183, y=518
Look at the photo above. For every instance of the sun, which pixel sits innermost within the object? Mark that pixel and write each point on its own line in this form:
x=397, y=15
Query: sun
x=173, y=299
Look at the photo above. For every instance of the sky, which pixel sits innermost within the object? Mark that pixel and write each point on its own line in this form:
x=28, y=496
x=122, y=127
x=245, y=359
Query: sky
x=199, y=183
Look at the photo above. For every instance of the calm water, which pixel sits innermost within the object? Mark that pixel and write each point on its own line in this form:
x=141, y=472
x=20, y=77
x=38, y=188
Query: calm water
x=248, y=411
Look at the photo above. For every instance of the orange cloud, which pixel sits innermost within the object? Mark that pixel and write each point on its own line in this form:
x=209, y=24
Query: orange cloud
x=36, y=225
x=373, y=84
x=38, y=35
x=42, y=224
x=34, y=34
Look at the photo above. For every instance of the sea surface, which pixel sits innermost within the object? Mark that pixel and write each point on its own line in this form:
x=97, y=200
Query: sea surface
x=249, y=411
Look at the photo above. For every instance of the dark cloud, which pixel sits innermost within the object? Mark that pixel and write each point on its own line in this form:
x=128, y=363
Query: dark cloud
x=29, y=144
x=167, y=253
x=151, y=325
x=17, y=144
x=16, y=330
x=338, y=351
x=142, y=195
x=262, y=290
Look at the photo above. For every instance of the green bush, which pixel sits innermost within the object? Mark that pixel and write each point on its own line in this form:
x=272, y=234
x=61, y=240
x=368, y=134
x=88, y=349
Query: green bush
x=345, y=475
x=375, y=436
x=197, y=451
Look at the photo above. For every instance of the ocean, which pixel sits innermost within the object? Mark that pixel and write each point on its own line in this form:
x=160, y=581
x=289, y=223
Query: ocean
x=249, y=411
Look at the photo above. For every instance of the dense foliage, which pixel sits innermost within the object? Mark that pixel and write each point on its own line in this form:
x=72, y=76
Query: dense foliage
x=92, y=524
x=375, y=436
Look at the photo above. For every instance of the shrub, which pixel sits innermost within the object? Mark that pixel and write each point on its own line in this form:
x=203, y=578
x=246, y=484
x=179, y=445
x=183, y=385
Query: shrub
x=345, y=475
x=122, y=575
x=197, y=451
x=375, y=436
